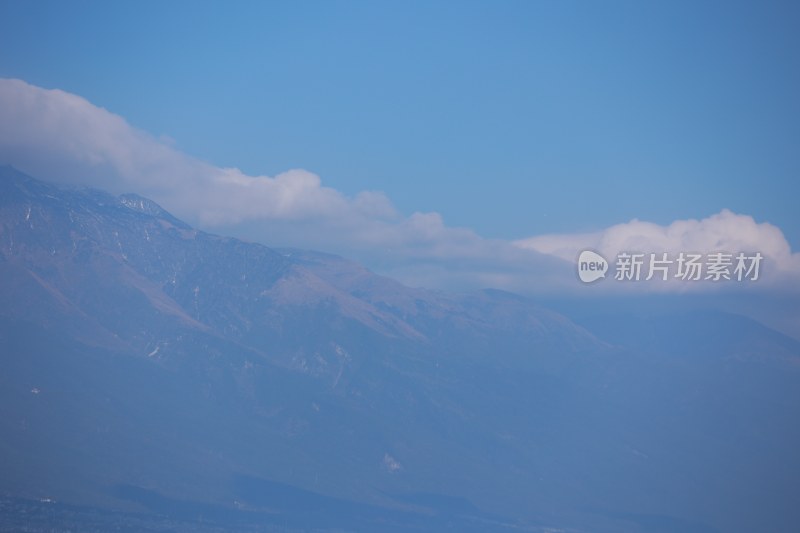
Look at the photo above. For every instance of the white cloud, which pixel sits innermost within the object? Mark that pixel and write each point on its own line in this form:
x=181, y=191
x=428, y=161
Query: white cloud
x=61, y=137
x=723, y=232
x=58, y=136
x=65, y=138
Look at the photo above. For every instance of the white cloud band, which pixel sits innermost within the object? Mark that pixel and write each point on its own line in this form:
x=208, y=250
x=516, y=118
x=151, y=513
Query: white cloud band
x=59, y=136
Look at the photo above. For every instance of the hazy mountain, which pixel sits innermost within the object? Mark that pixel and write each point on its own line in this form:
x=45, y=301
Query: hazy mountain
x=161, y=377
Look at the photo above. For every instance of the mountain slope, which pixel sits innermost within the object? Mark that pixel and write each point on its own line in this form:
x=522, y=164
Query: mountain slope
x=154, y=369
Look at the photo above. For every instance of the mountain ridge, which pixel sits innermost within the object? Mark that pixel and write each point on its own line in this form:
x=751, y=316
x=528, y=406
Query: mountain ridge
x=284, y=277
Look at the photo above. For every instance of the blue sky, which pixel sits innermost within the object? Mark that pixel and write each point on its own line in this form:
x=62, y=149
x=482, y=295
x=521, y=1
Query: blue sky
x=509, y=118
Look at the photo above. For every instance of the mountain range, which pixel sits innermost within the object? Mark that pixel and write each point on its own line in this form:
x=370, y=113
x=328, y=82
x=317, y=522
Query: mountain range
x=158, y=377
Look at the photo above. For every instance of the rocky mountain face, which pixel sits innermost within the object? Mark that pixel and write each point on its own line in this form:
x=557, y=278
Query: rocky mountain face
x=167, y=374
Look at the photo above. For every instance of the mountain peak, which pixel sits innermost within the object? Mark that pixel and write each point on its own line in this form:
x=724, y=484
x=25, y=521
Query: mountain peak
x=140, y=204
